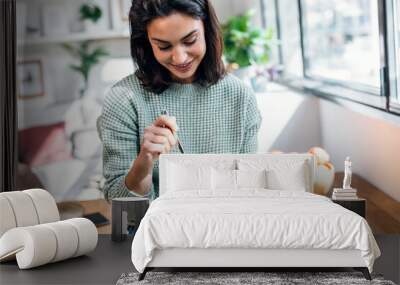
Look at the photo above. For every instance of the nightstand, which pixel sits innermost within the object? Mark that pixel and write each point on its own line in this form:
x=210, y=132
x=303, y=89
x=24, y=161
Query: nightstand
x=358, y=205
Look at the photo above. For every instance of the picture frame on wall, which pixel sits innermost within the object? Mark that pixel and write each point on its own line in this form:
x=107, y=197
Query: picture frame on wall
x=125, y=6
x=30, y=82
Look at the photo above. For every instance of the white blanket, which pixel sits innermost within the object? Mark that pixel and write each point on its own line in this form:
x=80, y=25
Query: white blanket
x=252, y=218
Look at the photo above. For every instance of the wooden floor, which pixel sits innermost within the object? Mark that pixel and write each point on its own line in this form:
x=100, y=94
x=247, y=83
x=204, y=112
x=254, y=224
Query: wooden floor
x=383, y=212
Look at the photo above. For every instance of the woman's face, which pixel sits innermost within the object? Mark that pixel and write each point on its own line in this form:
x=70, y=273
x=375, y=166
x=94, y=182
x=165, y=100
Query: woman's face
x=178, y=44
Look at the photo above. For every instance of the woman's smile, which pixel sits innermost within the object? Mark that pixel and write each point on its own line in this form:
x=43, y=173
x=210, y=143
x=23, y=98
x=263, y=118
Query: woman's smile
x=183, y=68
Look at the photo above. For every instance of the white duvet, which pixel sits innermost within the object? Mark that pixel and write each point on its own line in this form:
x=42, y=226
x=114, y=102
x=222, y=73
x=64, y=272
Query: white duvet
x=252, y=218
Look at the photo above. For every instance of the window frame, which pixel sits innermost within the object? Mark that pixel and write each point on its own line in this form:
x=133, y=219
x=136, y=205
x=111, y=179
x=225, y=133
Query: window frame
x=354, y=88
x=393, y=43
x=386, y=98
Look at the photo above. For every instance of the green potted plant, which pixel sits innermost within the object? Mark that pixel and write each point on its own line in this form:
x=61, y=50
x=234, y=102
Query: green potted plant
x=88, y=57
x=77, y=116
x=90, y=13
x=245, y=45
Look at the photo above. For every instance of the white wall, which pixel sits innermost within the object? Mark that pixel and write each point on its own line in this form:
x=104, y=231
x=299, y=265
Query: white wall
x=290, y=120
x=372, y=143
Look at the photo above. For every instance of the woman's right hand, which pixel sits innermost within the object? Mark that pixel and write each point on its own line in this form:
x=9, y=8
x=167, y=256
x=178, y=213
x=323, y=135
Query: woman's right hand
x=159, y=137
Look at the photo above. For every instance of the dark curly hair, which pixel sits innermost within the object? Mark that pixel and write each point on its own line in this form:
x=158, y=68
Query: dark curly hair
x=153, y=75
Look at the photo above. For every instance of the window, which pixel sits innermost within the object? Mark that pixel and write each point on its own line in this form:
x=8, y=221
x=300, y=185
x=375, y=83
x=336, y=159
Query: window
x=341, y=42
x=347, y=49
x=269, y=21
x=291, y=52
x=393, y=54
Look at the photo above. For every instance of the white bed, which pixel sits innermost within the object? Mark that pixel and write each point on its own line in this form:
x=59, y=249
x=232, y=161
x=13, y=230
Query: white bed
x=215, y=225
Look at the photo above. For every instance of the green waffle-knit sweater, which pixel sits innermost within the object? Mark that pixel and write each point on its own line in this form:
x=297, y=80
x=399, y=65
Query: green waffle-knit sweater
x=221, y=118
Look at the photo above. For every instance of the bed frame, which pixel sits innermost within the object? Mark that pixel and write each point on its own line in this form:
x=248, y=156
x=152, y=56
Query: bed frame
x=245, y=258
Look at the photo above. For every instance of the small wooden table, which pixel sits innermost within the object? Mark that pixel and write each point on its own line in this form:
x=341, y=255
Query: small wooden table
x=87, y=207
x=102, y=206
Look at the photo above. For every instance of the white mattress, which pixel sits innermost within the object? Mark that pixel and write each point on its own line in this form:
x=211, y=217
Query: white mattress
x=252, y=218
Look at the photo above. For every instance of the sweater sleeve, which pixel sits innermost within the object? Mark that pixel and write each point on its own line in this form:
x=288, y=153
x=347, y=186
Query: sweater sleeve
x=252, y=125
x=118, y=131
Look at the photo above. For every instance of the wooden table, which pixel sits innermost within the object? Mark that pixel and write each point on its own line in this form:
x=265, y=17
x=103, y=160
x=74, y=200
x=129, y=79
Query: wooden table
x=383, y=212
x=77, y=209
x=101, y=206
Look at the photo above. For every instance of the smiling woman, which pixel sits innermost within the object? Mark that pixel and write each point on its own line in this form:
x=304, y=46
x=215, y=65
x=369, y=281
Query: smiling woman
x=177, y=48
x=185, y=49
x=179, y=37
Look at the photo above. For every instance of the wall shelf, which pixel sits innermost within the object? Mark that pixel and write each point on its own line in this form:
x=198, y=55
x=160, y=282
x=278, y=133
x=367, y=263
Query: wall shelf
x=75, y=38
x=56, y=22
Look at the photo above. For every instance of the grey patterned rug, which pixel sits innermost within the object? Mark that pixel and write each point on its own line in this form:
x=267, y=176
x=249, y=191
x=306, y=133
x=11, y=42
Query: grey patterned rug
x=230, y=278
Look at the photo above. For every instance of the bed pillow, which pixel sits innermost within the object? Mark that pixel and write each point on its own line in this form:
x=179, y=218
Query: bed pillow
x=227, y=179
x=294, y=179
x=291, y=174
x=251, y=178
x=223, y=179
x=182, y=177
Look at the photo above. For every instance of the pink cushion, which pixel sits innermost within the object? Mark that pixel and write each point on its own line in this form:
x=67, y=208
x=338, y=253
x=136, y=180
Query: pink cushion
x=43, y=144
